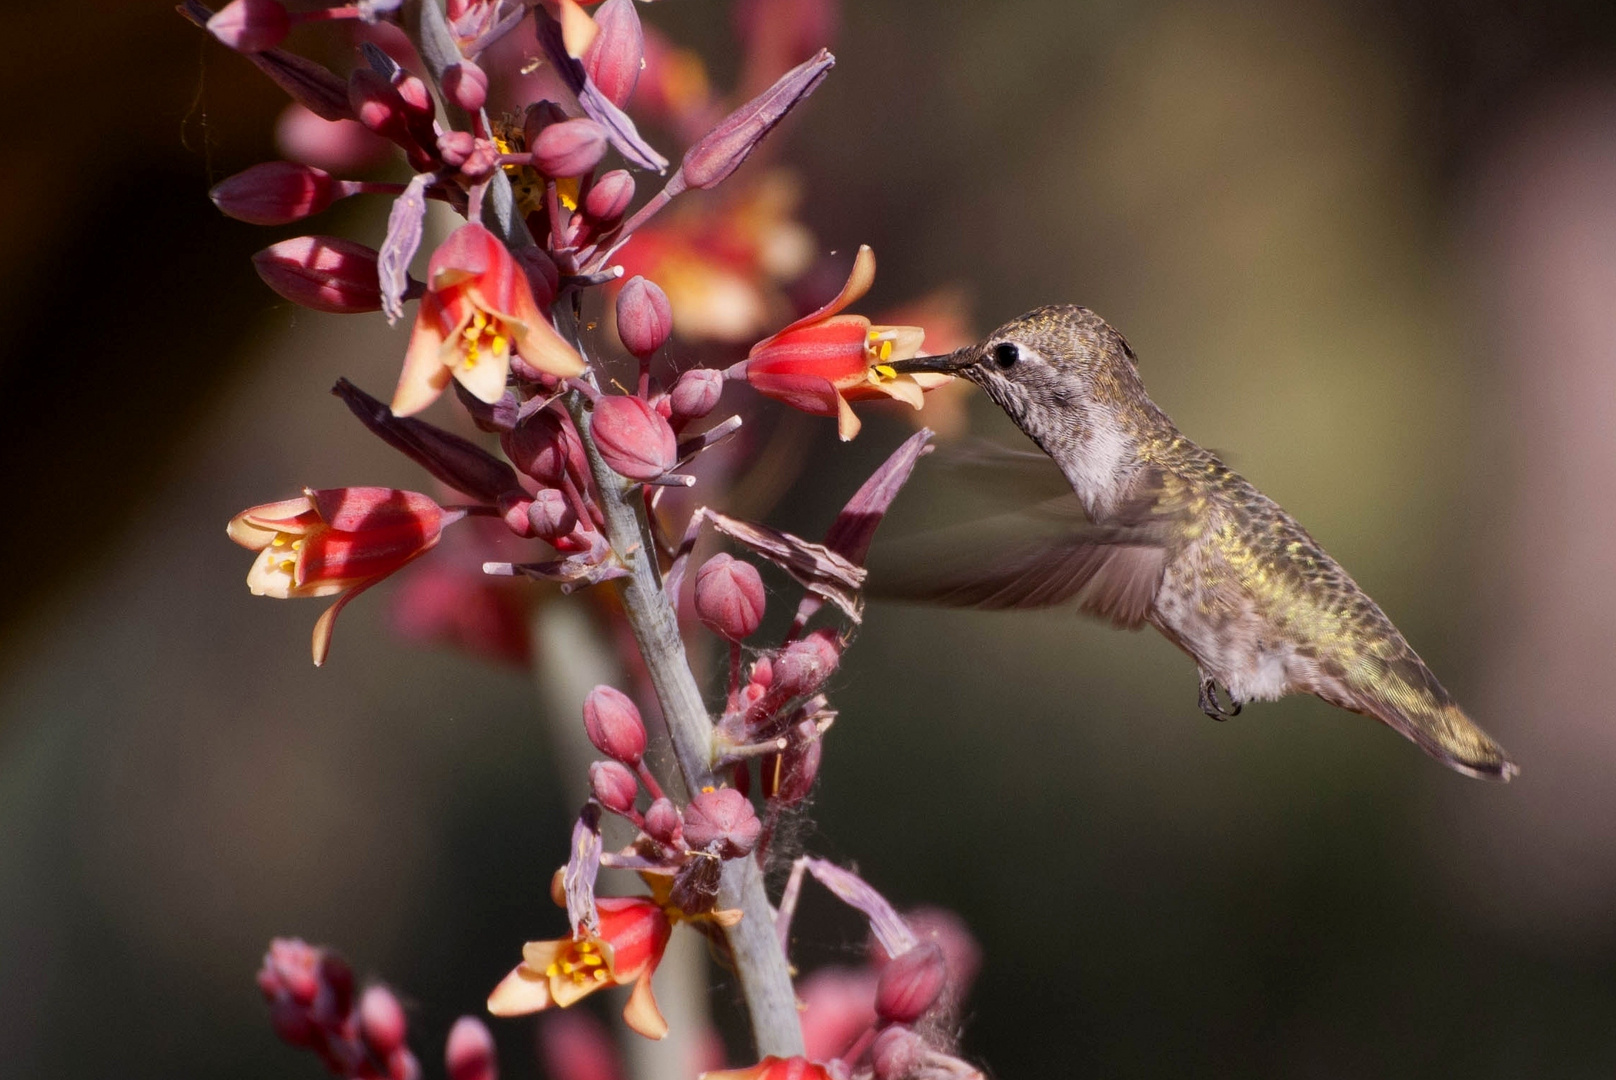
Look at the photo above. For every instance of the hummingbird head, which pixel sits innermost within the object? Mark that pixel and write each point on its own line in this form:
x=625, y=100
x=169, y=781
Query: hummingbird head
x=1062, y=373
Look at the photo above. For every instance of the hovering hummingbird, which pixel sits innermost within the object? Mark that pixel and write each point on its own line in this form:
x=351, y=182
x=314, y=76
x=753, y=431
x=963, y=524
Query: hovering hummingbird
x=1170, y=536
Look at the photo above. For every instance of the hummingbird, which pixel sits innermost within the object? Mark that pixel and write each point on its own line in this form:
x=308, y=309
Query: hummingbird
x=1166, y=534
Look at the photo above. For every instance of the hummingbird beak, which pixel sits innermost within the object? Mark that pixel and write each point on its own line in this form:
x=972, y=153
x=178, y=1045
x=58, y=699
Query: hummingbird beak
x=948, y=364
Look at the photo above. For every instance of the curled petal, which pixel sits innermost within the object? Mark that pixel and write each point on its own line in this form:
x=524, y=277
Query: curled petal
x=859, y=280
x=326, y=624
x=641, y=1013
x=522, y=991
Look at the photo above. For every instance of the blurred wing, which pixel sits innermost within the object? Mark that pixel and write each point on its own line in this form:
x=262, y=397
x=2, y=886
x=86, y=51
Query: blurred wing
x=1020, y=477
x=1047, y=555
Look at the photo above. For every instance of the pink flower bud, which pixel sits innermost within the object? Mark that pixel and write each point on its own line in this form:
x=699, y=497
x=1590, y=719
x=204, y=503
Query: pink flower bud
x=721, y=151
x=613, y=786
x=381, y=1018
x=664, y=824
x=897, y=1053
x=545, y=446
x=326, y=273
x=723, y=817
x=274, y=193
x=729, y=597
x=634, y=440
x=802, y=667
x=251, y=26
x=569, y=148
x=456, y=147
x=469, y=1051
x=696, y=393
x=614, y=59
x=614, y=725
x=416, y=97
x=540, y=115
x=376, y=103
x=340, y=145
x=911, y=984
x=644, y=316
x=574, y=1044
x=550, y=515
x=466, y=85
x=609, y=197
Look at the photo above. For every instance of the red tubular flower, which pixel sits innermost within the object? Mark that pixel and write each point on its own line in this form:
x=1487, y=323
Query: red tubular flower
x=826, y=359
x=338, y=540
x=633, y=934
x=478, y=307
x=774, y=1068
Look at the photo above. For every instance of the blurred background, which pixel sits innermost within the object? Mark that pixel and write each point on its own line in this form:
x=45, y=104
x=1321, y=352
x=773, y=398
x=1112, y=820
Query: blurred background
x=1366, y=250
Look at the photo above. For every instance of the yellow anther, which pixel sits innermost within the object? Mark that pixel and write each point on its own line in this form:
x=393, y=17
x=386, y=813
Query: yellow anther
x=553, y=970
x=288, y=565
x=600, y=975
x=281, y=540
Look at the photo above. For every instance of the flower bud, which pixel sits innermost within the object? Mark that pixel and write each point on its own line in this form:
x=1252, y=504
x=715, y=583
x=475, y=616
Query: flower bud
x=897, y=1053
x=416, y=97
x=911, y=984
x=251, y=26
x=729, y=597
x=540, y=115
x=789, y=776
x=381, y=1019
x=614, y=59
x=458, y=462
x=274, y=193
x=469, y=1051
x=456, y=147
x=644, y=316
x=569, y=148
x=614, y=725
x=545, y=446
x=609, y=197
x=696, y=393
x=333, y=145
x=721, y=151
x=466, y=84
x=802, y=667
x=550, y=515
x=635, y=441
x=664, y=824
x=326, y=273
x=613, y=786
x=376, y=103
x=725, y=818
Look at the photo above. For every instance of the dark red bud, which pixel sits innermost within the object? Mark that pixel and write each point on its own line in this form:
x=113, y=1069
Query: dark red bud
x=251, y=26
x=550, y=515
x=456, y=147
x=724, y=818
x=381, y=1019
x=789, y=776
x=545, y=447
x=802, y=667
x=469, y=1052
x=721, y=151
x=762, y=673
x=729, y=597
x=897, y=1053
x=416, y=97
x=632, y=438
x=466, y=85
x=540, y=115
x=376, y=103
x=513, y=510
x=614, y=725
x=696, y=393
x=664, y=824
x=274, y=193
x=614, y=59
x=569, y=148
x=911, y=984
x=614, y=787
x=609, y=197
x=644, y=316
x=326, y=273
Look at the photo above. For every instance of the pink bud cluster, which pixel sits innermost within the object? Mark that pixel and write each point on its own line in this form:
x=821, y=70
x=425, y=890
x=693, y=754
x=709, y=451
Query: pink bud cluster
x=312, y=1005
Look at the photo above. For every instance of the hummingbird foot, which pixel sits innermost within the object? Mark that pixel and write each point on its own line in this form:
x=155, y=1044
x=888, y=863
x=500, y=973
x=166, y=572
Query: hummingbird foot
x=1209, y=699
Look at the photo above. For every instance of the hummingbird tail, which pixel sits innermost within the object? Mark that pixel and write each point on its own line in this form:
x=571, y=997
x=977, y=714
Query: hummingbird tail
x=1406, y=697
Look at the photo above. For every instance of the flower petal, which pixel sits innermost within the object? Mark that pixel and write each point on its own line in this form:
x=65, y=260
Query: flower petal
x=522, y=991
x=859, y=280
x=327, y=621
x=485, y=377
x=847, y=423
x=641, y=1013
x=424, y=375
x=256, y=527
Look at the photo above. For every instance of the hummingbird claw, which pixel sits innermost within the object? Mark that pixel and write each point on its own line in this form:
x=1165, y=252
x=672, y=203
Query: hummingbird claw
x=1209, y=700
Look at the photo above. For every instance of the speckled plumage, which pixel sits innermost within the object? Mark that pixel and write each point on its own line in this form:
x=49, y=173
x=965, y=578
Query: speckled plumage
x=1176, y=539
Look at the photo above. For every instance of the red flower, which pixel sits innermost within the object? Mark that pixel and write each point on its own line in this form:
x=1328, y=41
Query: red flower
x=633, y=934
x=478, y=307
x=824, y=360
x=774, y=1068
x=339, y=540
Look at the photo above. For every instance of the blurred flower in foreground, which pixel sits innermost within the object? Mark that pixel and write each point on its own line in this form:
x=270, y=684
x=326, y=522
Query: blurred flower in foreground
x=336, y=540
x=478, y=307
x=825, y=359
x=774, y=1068
x=633, y=934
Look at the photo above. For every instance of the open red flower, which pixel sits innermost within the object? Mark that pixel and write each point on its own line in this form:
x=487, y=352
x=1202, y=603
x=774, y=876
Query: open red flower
x=826, y=359
x=336, y=540
x=478, y=308
x=633, y=934
x=774, y=1068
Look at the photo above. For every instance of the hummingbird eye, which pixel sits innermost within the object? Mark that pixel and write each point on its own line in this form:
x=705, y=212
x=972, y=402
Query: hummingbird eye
x=1005, y=354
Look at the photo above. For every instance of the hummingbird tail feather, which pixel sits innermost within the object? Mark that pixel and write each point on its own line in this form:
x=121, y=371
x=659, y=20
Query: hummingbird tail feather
x=1406, y=697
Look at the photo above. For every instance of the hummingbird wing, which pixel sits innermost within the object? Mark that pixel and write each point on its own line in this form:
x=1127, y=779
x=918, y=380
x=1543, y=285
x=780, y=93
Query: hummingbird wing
x=1043, y=556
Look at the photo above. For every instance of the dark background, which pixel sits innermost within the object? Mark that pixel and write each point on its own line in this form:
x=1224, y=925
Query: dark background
x=1368, y=250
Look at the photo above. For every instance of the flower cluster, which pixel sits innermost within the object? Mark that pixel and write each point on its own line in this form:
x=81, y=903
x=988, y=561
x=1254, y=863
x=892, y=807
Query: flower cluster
x=581, y=453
